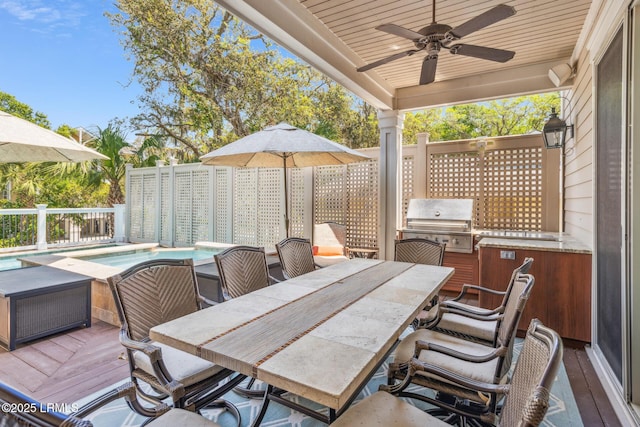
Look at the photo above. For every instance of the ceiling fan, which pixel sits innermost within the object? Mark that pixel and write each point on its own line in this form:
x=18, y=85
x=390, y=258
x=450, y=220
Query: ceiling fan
x=435, y=36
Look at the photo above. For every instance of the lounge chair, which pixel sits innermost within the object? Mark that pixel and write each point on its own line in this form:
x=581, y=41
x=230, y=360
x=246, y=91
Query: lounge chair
x=329, y=243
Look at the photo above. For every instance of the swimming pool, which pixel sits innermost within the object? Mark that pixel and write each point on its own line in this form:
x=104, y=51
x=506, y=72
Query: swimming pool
x=11, y=261
x=127, y=259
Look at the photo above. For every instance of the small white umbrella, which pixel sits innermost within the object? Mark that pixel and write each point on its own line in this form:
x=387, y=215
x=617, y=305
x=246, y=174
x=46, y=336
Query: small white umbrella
x=282, y=146
x=22, y=141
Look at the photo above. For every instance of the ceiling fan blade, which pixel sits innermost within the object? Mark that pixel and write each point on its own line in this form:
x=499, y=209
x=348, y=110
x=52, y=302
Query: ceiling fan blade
x=386, y=60
x=498, y=55
x=399, y=31
x=485, y=19
x=428, y=73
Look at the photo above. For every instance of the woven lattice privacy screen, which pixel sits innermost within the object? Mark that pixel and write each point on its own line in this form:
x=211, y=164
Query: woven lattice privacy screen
x=505, y=180
x=512, y=193
x=180, y=205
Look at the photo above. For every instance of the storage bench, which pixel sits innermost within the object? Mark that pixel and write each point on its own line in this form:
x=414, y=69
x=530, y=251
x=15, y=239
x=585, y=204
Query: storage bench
x=40, y=301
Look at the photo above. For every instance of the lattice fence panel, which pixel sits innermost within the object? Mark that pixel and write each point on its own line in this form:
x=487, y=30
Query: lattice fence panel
x=150, y=197
x=182, y=208
x=455, y=176
x=245, y=210
x=408, y=163
x=362, y=204
x=513, y=189
x=136, y=206
x=296, y=202
x=330, y=204
x=270, y=206
x=223, y=206
x=200, y=199
x=165, y=207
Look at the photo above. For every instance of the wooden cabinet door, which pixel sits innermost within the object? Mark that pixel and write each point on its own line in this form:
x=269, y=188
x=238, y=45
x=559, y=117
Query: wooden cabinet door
x=466, y=266
x=561, y=295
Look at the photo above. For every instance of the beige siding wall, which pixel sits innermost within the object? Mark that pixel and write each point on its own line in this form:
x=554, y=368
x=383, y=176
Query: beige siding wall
x=578, y=166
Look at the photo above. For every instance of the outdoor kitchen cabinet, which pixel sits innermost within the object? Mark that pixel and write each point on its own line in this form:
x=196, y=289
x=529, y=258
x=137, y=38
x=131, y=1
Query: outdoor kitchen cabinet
x=561, y=295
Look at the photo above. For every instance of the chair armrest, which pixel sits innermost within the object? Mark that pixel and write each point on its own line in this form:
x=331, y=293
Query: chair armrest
x=466, y=287
x=469, y=308
x=416, y=365
x=494, y=353
x=207, y=301
x=274, y=280
x=470, y=314
x=128, y=392
x=153, y=352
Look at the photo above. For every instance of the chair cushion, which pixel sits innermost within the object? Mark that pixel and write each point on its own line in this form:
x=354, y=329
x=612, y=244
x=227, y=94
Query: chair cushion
x=183, y=367
x=181, y=417
x=385, y=410
x=325, y=261
x=467, y=307
x=328, y=250
x=484, y=371
x=484, y=330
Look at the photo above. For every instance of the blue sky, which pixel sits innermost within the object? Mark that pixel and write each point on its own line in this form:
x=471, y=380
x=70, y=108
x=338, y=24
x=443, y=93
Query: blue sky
x=64, y=59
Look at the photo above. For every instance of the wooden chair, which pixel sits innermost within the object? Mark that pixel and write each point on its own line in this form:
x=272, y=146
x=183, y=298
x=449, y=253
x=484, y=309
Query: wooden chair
x=526, y=396
x=470, y=361
x=329, y=243
x=296, y=257
x=149, y=294
x=471, y=322
x=37, y=414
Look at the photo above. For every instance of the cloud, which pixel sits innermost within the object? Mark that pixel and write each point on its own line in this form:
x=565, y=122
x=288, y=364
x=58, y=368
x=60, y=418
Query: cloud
x=58, y=13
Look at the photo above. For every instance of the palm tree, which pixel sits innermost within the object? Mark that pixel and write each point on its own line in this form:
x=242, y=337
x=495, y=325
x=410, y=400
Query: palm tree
x=111, y=141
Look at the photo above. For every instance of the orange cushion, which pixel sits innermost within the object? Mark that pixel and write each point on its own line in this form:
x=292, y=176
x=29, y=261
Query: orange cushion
x=328, y=250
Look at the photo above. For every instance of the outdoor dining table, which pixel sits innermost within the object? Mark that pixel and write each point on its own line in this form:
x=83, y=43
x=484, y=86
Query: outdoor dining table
x=321, y=335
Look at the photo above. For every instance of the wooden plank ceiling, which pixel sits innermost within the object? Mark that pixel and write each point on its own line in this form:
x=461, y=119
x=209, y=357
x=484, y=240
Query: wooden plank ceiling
x=337, y=36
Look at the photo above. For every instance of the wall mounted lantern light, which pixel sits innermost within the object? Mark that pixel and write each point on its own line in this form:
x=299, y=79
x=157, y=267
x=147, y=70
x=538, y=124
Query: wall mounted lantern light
x=554, y=132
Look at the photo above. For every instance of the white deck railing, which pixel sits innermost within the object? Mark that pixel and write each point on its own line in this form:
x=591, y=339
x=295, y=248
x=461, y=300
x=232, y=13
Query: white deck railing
x=42, y=228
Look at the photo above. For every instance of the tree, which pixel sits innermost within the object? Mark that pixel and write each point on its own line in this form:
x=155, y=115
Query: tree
x=209, y=79
x=512, y=116
x=11, y=105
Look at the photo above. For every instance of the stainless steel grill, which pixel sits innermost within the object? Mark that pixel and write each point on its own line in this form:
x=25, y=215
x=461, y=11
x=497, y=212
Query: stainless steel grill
x=442, y=220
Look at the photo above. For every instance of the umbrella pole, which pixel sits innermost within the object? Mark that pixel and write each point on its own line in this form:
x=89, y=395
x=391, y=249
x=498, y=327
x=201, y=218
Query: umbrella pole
x=286, y=197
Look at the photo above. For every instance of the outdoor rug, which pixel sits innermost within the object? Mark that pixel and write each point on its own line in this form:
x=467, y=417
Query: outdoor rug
x=563, y=410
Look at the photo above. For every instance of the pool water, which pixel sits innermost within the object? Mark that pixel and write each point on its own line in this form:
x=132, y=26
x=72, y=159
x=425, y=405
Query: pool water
x=12, y=261
x=131, y=258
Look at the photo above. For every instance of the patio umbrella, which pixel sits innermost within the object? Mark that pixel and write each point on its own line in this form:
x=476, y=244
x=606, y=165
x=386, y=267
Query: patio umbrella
x=283, y=146
x=23, y=141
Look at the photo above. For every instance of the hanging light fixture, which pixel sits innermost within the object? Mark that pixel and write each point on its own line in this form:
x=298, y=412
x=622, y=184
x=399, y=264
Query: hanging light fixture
x=554, y=132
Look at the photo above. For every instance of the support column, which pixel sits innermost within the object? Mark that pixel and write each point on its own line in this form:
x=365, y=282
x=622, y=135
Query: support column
x=390, y=164
x=420, y=167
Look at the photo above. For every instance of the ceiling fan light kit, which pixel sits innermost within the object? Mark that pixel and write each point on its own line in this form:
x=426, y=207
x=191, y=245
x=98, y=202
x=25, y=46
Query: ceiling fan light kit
x=434, y=37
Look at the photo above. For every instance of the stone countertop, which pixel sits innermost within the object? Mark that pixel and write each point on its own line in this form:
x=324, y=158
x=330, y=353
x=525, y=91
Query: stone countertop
x=563, y=243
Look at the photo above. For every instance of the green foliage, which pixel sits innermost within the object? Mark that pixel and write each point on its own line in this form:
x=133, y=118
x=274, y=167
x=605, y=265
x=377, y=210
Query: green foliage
x=512, y=116
x=11, y=105
x=209, y=79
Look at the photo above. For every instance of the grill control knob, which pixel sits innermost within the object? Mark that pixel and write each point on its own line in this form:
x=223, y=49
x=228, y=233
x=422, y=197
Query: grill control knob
x=455, y=241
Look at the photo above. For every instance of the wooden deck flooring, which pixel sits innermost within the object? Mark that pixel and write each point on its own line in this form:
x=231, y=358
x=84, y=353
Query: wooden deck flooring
x=67, y=367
